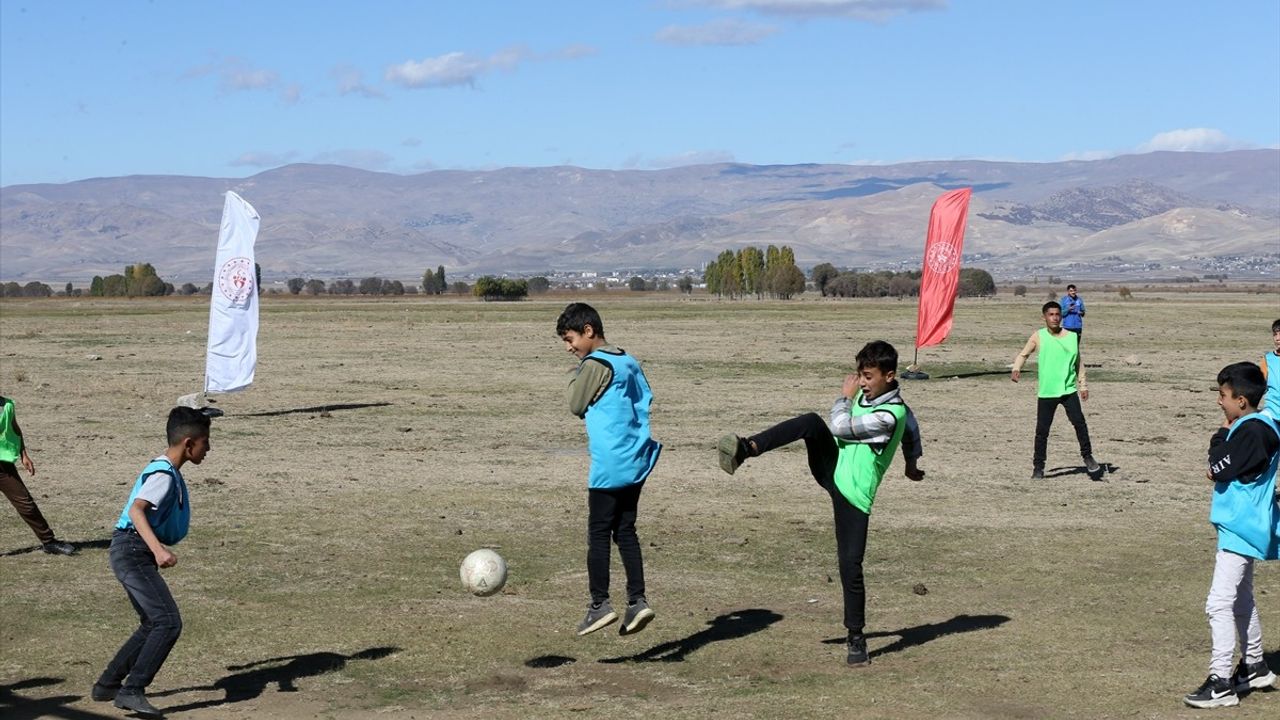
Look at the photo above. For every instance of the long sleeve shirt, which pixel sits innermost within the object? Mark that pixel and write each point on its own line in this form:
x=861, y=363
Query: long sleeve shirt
x=876, y=428
x=1246, y=454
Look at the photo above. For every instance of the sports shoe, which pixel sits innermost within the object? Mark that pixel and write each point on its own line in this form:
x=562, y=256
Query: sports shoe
x=1091, y=466
x=733, y=451
x=857, y=646
x=1252, y=676
x=1037, y=473
x=136, y=700
x=598, y=616
x=103, y=693
x=638, y=615
x=1214, y=692
x=57, y=547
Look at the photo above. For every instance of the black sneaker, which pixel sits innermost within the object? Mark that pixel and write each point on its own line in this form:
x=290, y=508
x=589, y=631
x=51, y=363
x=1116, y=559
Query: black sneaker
x=136, y=700
x=103, y=693
x=1215, y=692
x=858, y=656
x=733, y=450
x=1091, y=466
x=638, y=615
x=1037, y=473
x=1252, y=676
x=598, y=616
x=57, y=547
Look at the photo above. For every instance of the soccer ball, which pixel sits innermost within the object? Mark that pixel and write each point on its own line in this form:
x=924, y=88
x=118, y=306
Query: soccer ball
x=483, y=572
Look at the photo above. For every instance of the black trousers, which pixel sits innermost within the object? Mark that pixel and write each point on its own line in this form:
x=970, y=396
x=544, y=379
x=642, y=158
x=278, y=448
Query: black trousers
x=851, y=523
x=139, y=659
x=1046, y=408
x=611, y=514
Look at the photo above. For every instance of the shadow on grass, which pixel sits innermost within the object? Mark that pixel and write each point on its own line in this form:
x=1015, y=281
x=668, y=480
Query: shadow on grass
x=729, y=626
x=16, y=707
x=79, y=545
x=316, y=409
x=921, y=634
x=284, y=672
x=1107, y=469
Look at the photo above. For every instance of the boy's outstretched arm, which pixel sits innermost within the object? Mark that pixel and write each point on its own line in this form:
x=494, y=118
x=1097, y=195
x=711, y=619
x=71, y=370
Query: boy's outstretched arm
x=1030, y=347
x=1244, y=455
x=138, y=515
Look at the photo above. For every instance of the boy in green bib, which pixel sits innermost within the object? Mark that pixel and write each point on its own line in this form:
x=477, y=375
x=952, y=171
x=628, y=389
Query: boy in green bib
x=848, y=459
x=1060, y=371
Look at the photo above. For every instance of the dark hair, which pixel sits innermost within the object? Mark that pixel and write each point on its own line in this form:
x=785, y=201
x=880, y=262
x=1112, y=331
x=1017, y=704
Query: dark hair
x=878, y=354
x=1245, y=380
x=1071, y=286
x=185, y=422
x=1050, y=305
x=576, y=317
x=1275, y=327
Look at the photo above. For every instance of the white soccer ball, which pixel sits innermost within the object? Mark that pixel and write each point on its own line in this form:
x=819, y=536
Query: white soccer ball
x=483, y=572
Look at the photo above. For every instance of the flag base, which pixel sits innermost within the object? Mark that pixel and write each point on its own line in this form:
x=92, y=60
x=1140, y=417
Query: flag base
x=198, y=401
x=914, y=375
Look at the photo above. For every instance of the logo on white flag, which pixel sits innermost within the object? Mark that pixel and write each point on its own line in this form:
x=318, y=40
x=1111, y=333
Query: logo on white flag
x=235, y=280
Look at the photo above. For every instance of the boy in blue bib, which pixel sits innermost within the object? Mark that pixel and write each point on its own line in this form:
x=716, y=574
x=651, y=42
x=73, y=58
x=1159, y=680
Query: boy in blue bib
x=156, y=514
x=1271, y=371
x=610, y=393
x=1243, y=458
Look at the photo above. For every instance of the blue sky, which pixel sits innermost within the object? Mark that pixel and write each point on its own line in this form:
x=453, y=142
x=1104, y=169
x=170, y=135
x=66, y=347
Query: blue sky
x=228, y=89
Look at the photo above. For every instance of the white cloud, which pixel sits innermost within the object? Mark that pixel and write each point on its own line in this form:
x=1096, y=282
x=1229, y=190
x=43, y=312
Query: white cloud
x=455, y=68
x=365, y=159
x=264, y=159
x=868, y=10
x=1087, y=155
x=350, y=81
x=411, y=142
x=1193, y=140
x=236, y=74
x=291, y=94
x=459, y=68
x=692, y=157
x=723, y=31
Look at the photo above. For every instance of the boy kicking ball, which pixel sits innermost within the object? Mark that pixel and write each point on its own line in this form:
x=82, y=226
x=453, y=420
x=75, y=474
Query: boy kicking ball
x=848, y=459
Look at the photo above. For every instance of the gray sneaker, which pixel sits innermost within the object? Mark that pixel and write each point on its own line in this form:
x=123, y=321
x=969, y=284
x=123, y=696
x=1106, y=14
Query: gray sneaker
x=1091, y=466
x=637, y=616
x=732, y=451
x=598, y=616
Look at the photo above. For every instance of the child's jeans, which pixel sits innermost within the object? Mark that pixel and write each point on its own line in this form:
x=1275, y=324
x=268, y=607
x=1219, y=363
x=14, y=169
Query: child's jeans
x=1232, y=615
x=612, y=513
x=851, y=523
x=145, y=651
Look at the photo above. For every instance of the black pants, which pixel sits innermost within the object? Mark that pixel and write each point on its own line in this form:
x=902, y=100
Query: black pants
x=14, y=489
x=1045, y=410
x=612, y=514
x=139, y=659
x=851, y=523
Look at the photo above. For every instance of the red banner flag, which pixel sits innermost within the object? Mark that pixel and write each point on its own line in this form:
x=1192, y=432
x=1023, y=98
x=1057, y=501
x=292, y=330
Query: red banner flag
x=941, y=272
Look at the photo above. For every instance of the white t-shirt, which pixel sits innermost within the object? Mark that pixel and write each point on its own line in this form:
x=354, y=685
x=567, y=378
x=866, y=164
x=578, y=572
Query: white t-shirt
x=156, y=486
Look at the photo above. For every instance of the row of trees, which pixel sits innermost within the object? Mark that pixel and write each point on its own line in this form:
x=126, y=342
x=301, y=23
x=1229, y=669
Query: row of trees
x=490, y=288
x=138, y=280
x=751, y=272
x=829, y=281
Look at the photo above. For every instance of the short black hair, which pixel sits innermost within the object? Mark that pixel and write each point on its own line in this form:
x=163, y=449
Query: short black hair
x=576, y=317
x=1245, y=380
x=185, y=422
x=1072, y=286
x=1049, y=306
x=878, y=354
x=1275, y=327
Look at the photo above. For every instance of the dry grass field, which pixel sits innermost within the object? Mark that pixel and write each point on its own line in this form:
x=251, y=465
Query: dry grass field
x=385, y=439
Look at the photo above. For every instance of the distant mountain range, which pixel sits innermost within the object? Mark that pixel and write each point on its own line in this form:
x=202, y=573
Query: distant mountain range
x=1124, y=214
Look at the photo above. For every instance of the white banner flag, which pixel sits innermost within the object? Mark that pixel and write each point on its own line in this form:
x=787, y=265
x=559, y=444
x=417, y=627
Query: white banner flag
x=233, y=311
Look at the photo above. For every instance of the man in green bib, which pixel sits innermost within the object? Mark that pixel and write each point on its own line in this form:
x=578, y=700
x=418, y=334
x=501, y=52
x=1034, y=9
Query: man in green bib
x=1061, y=382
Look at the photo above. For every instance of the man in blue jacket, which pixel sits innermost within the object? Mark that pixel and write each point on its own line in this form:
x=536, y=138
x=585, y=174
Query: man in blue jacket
x=1073, y=312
